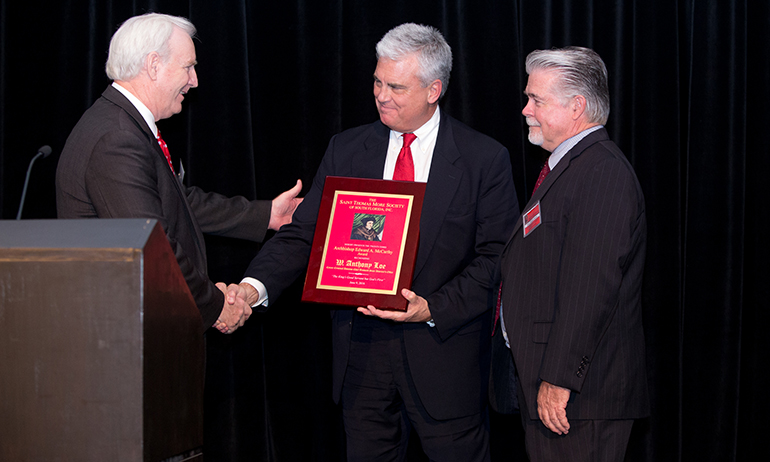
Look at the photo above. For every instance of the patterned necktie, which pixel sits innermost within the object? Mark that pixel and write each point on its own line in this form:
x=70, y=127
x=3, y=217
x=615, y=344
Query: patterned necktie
x=498, y=306
x=543, y=173
x=404, y=164
x=164, y=148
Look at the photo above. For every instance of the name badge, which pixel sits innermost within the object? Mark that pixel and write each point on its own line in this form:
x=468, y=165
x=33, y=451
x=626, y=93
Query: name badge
x=532, y=219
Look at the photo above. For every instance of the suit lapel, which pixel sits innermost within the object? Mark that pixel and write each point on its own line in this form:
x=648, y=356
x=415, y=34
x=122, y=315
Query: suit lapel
x=443, y=180
x=117, y=98
x=372, y=163
x=561, y=167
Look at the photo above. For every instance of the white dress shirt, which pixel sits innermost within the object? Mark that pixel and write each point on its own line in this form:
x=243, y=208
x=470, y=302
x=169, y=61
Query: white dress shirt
x=143, y=110
x=422, y=156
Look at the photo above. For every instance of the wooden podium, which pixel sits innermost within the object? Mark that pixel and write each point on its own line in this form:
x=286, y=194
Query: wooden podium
x=101, y=344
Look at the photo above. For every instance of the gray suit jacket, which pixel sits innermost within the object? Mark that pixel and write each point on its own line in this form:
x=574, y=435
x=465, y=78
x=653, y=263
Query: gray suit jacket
x=113, y=167
x=572, y=287
x=469, y=208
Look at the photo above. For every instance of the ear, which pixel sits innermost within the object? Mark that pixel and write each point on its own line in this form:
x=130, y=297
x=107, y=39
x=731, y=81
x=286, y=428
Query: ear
x=152, y=64
x=578, y=106
x=434, y=91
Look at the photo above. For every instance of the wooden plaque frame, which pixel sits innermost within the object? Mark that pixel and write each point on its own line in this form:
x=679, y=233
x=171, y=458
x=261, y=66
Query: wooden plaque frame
x=354, y=263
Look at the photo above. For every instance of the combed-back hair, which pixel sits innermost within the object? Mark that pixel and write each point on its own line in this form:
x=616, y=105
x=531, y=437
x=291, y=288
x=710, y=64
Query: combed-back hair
x=580, y=71
x=138, y=37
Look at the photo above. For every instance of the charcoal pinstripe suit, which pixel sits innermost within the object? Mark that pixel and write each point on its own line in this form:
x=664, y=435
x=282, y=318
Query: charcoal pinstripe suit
x=572, y=287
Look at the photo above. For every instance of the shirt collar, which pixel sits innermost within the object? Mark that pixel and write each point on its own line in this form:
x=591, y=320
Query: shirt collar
x=568, y=144
x=425, y=131
x=143, y=110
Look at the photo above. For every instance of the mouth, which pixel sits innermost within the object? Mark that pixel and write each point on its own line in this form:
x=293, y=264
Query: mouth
x=532, y=123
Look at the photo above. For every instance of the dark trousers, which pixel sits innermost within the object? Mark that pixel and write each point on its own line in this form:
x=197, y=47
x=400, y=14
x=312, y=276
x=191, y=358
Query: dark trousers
x=380, y=405
x=587, y=440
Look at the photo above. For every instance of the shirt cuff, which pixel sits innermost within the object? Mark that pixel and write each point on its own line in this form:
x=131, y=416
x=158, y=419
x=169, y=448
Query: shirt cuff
x=260, y=288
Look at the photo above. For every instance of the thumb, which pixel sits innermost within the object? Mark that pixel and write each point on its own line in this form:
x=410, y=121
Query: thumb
x=296, y=189
x=231, y=295
x=408, y=295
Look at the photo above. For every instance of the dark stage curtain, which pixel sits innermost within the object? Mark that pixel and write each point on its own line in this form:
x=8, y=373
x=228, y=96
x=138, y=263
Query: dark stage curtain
x=689, y=86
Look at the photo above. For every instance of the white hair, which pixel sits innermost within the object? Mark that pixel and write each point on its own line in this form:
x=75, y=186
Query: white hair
x=138, y=37
x=580, y=71
x=434, y=55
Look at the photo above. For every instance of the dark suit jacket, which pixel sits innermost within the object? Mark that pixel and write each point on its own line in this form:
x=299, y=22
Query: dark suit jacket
x=572, y=287
x=113, y=167
x=469, y=208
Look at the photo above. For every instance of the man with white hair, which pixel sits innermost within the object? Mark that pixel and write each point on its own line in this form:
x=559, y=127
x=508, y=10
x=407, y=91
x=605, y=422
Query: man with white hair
x=425, y=368
x=116, y=165
x=572, y=271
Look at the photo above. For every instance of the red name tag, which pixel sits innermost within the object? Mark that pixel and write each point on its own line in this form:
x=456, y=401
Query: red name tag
x=532, y=219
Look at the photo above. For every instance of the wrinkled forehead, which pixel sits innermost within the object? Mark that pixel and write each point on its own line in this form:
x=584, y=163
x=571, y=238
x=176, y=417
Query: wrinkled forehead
x=542, y=83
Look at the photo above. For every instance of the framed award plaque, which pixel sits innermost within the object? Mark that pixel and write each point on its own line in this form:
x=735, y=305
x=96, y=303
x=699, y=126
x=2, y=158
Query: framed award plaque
x=365, y=242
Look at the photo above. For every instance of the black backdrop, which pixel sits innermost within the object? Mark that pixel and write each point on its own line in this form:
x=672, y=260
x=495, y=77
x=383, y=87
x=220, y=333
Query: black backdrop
x=688, y=80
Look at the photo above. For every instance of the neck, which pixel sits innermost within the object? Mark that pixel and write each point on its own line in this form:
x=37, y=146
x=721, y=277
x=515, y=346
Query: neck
x=136, y=88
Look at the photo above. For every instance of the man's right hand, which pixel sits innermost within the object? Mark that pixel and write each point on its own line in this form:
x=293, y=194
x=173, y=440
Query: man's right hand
x=246, y=290
x=235, y=311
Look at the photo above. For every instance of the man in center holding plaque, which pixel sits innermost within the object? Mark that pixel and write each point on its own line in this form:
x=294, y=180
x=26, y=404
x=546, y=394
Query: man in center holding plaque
x=427, y=367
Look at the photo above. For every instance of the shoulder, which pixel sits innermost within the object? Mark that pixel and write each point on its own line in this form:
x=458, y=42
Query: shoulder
x=468, y=140
x=603, y=153
x=105, y=129
x=368, y=133
x=350, y=144
x=604, y=163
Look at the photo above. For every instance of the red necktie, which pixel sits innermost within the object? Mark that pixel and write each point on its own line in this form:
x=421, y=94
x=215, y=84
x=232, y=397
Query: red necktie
x=498, y=306
x=404, y=164
x=543, y=173
x=164, y=148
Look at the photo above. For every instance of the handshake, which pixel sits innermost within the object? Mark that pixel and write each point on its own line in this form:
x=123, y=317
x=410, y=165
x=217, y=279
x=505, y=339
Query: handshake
x=237, y=307
x=240, y=297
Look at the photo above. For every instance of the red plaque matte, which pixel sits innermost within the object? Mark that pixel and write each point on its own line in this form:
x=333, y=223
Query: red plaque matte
x=365, y=242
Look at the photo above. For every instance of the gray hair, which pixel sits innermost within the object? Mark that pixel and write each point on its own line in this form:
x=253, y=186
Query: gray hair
x=580, y=71
x=433, y=53
x=138, y=37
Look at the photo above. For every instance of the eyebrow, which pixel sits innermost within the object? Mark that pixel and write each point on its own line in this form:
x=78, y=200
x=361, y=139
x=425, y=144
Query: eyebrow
x=529, y=94
x=391, y=85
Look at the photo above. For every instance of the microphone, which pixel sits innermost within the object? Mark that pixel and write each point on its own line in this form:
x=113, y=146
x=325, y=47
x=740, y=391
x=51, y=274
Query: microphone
x=44, y=151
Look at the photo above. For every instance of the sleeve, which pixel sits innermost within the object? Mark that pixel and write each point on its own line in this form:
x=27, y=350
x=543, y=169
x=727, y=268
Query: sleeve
x=602, y=224
x=235, y=217
x=466, y=296
x=284, y=257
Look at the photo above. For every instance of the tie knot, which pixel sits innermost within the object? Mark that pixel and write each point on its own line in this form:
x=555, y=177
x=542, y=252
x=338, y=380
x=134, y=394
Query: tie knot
x=408, y=139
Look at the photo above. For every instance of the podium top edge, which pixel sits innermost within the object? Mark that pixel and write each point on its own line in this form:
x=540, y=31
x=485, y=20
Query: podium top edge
x=84, y=233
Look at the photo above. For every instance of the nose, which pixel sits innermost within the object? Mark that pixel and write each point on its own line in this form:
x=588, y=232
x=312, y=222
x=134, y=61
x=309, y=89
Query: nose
x=382, y=93
x=193, y=80
x=527, y=111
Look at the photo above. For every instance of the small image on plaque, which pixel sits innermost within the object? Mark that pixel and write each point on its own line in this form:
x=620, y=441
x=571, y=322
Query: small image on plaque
x=356, y=260
x=367, y=227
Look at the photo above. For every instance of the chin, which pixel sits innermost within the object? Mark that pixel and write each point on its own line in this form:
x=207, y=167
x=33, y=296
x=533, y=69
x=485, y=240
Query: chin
x=388, y=122
x=535, y=138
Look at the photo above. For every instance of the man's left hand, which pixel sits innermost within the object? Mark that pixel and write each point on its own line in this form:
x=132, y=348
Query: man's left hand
x=284, y=206
x=416, y=311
